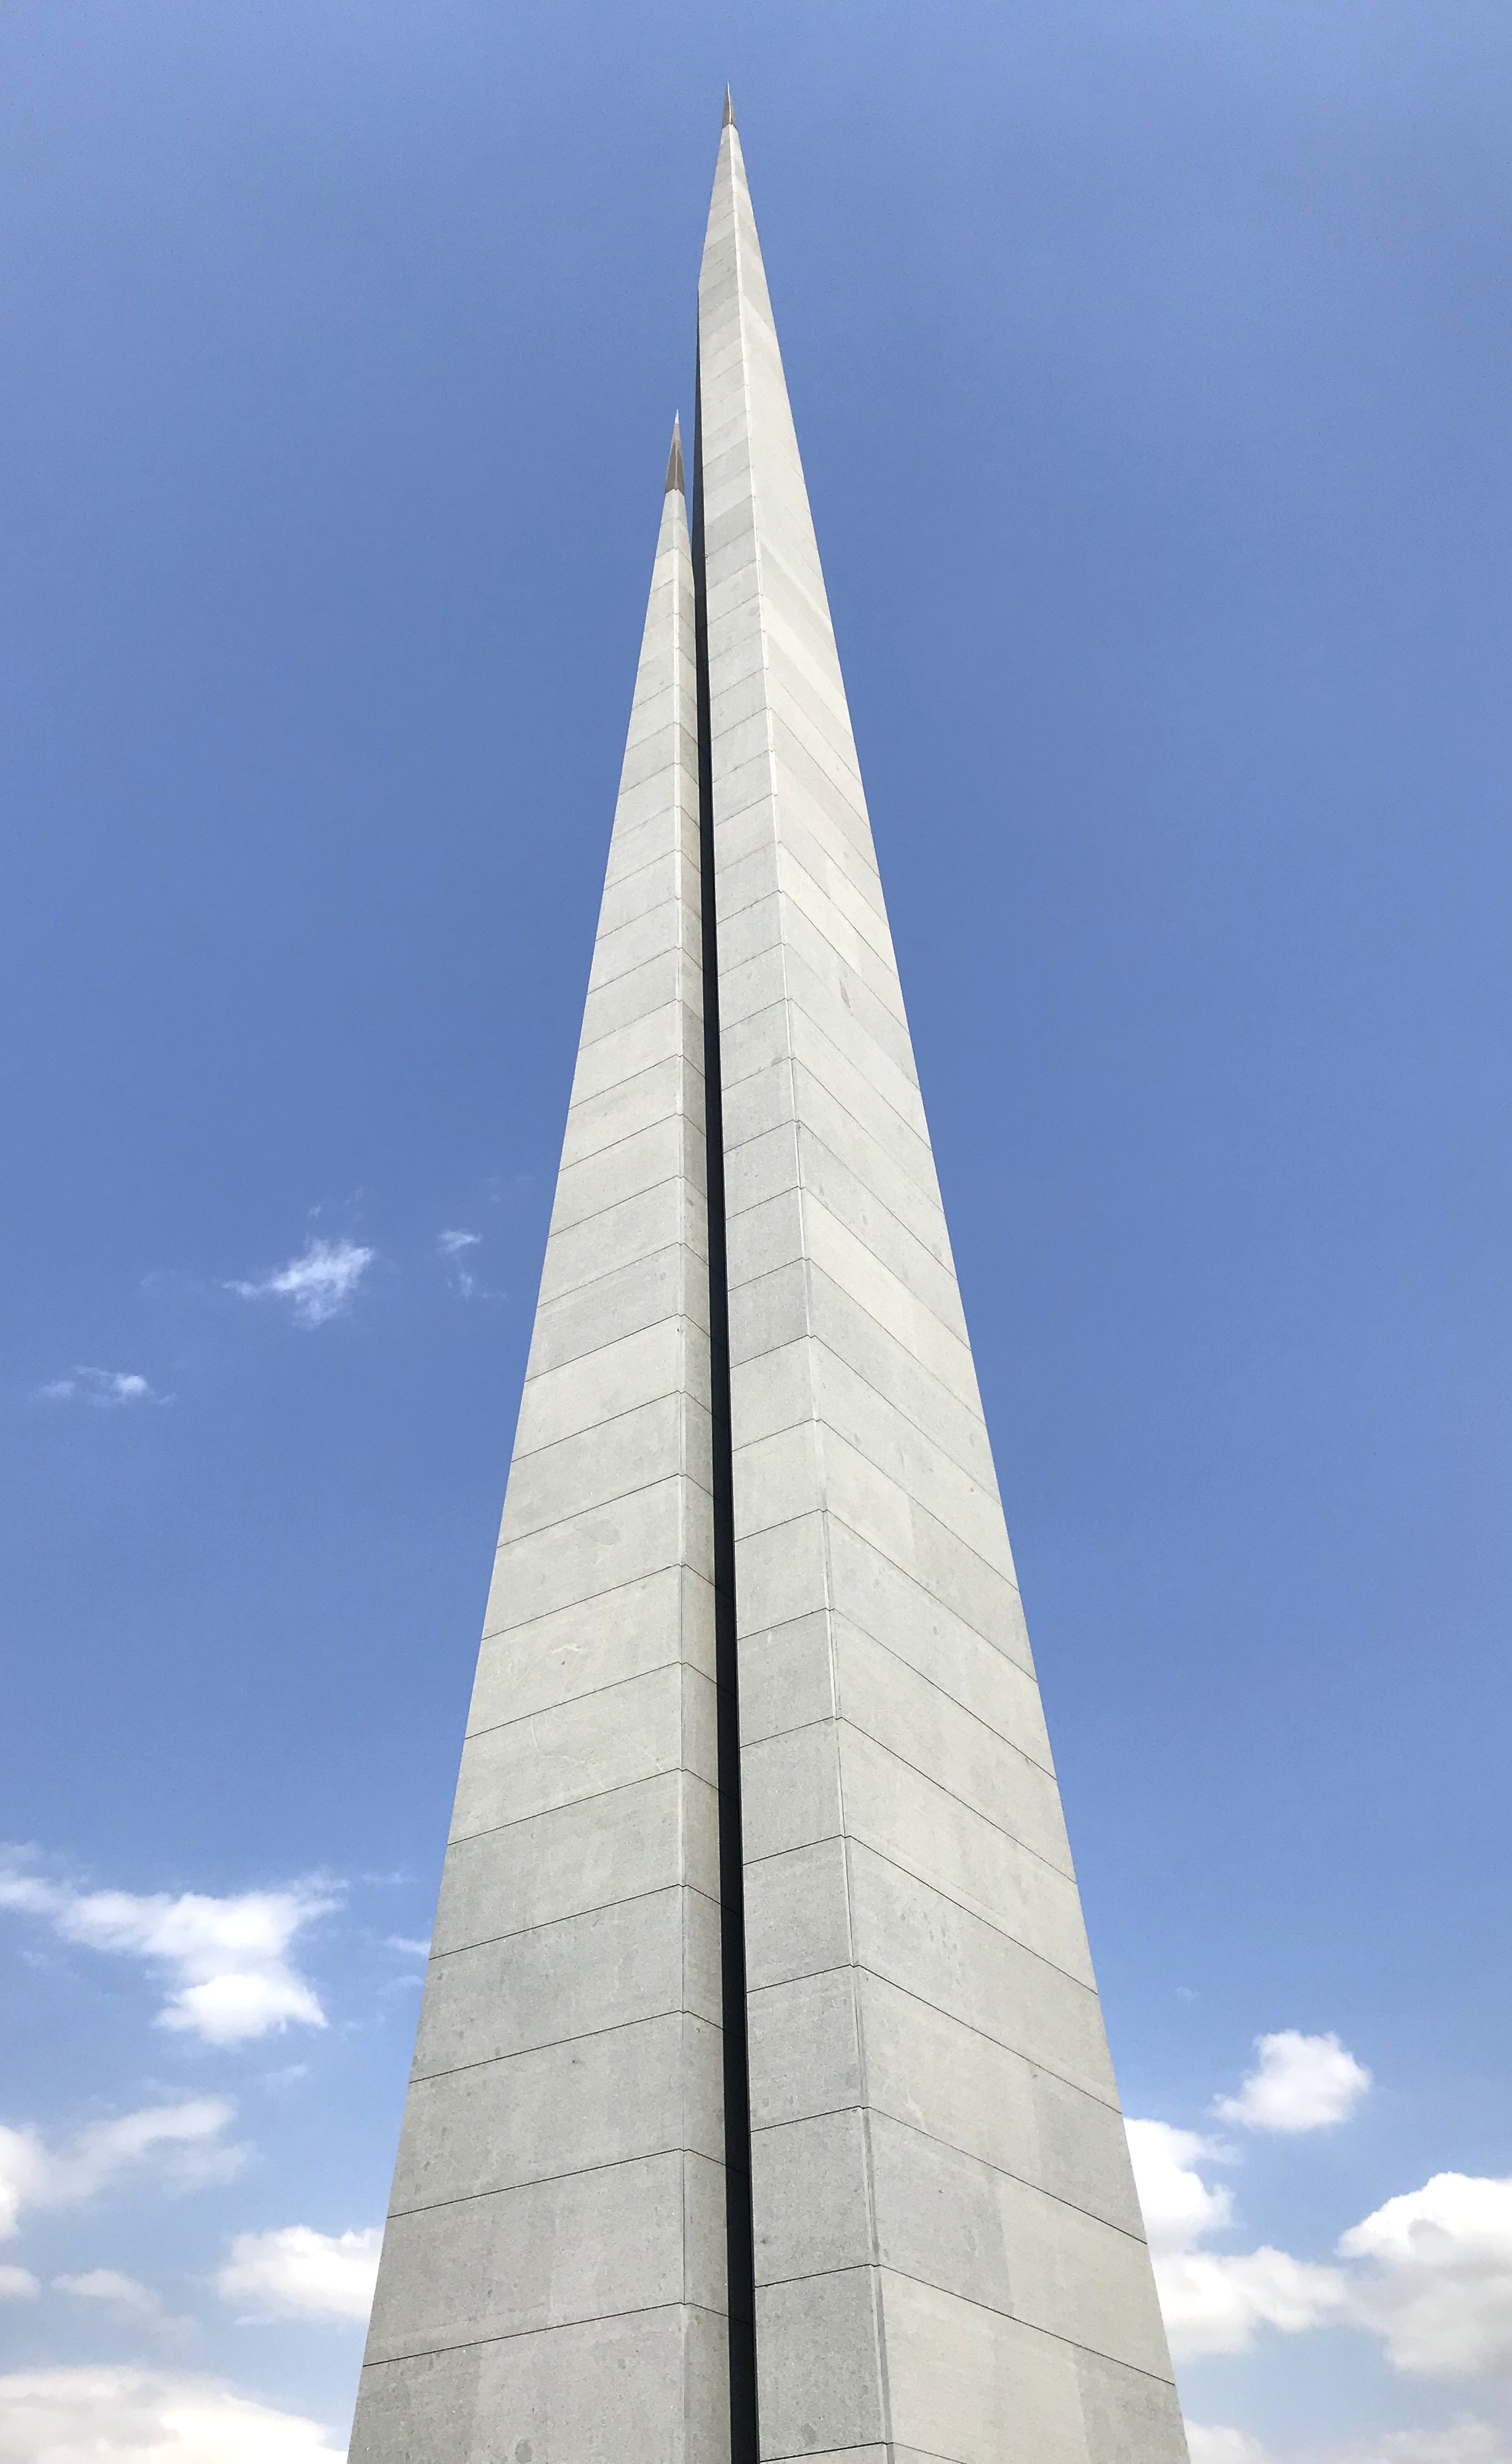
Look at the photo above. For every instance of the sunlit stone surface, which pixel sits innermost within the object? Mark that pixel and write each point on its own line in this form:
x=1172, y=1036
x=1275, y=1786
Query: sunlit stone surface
x=947, y=2253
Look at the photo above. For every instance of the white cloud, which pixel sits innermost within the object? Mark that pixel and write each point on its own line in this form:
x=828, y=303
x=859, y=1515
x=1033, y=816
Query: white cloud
x=1178, y=2205
x=34, y=2175
x=1298, y=2083
x=453, y=1244
x=300, y=2273
x=227, y=1958
x=319, y=1284
x=105, y=1387
x=412, y=1946
x=1214, y=2301
x=1430, y=2272
x=136, y=2416
x=19, y=2284
x=1438, y=2286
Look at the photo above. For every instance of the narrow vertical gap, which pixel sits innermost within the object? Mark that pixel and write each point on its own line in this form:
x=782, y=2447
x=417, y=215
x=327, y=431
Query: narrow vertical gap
x=740, y=2254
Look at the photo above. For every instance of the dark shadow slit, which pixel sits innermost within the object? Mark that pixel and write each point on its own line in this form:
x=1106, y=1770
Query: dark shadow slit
x=741, y=2257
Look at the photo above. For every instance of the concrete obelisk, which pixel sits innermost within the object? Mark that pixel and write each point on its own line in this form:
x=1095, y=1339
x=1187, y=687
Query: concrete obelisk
x=553, y=2270
x=949, y=2259
x=759, y=1986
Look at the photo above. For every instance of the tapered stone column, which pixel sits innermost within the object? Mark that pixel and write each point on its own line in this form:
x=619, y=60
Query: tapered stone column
x=950, y=2261
x=752, y=1474
x=554, y=2269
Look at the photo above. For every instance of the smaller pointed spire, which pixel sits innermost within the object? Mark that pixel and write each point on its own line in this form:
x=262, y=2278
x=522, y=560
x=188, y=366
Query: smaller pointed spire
x=728, y=120
x=674, y=462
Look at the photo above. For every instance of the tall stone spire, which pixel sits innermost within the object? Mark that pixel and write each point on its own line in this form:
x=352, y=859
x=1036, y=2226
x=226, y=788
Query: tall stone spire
x=554, y=2269
x=948, y=2255
x=759, y=1984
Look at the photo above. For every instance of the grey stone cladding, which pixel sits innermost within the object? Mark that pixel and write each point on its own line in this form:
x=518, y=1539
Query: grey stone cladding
x=554, y=2269
x=857, y=1906
x=949, y=2259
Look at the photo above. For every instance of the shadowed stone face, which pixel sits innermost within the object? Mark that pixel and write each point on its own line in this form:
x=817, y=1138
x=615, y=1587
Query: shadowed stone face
x=757, y=1870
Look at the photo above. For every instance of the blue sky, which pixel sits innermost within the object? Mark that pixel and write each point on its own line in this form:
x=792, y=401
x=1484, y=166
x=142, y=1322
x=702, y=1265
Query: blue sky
x=1151, y=367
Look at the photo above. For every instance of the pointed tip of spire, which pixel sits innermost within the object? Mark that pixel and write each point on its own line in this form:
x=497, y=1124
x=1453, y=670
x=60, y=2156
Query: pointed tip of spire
x=728, y=120
x=674, y=462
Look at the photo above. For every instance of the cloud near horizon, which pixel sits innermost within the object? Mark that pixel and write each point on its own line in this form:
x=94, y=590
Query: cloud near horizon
x=319, y=1284
x=233, y=1979
x=1429, y=2272
x=142, y=2416
x=1463, y=2442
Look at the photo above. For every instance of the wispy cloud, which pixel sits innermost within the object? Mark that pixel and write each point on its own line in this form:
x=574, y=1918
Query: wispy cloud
x=410, y=1945
x=19, y=2284
x=454, y=1247
x=132, y=2416
x=227, y=1958
x=297, y=2273
x=318, y=1285
x=105, y=1388
x=126, y=2295
x=189, y=2137
x=108, y=2284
